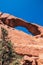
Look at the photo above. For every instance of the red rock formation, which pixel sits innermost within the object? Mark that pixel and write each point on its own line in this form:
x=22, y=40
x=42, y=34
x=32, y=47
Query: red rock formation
x=14, y=21
x=24, y=44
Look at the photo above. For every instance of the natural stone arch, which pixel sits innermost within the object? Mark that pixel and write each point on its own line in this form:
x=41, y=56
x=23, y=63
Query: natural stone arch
x=14, y=21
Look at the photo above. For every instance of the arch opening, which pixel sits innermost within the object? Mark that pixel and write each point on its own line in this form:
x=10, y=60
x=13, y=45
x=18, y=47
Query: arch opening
x=21, y=28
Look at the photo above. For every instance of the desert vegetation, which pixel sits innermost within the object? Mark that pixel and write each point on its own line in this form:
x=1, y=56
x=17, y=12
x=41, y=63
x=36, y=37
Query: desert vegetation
x=7, y=55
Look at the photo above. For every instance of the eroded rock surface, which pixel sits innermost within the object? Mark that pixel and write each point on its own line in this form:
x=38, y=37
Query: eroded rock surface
x=31, y=47
x=14, y=21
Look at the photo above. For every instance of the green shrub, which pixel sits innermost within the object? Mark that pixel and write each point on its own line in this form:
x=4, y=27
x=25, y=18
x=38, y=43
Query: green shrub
x=6, y=52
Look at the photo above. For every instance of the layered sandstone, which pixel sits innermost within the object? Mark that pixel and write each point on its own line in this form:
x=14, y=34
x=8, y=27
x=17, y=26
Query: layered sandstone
x=31, y=47
x=25, y=44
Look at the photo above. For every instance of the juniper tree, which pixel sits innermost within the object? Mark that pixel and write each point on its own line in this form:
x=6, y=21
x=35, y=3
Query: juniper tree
x=7, y=52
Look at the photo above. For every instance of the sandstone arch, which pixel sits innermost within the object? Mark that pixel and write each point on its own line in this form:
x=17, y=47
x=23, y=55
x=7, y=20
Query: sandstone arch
x=14, y=21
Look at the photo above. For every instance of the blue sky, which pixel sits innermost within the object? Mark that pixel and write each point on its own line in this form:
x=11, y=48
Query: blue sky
x=29, y=10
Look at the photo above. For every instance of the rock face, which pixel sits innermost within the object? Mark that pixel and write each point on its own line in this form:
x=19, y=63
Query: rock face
x=31, y=47
x=14, y=21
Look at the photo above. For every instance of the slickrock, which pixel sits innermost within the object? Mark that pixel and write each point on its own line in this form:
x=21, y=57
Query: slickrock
x=24, y=44
x=15, y=21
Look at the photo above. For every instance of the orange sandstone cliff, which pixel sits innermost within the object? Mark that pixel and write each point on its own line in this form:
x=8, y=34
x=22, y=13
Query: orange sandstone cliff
x=31, y=47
